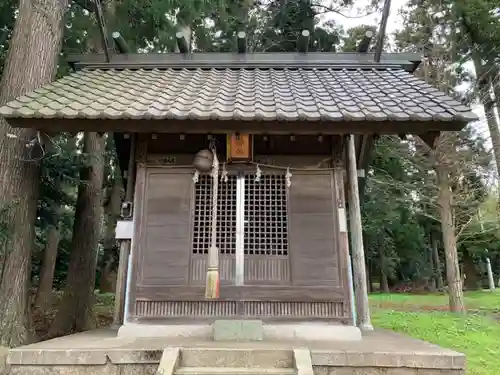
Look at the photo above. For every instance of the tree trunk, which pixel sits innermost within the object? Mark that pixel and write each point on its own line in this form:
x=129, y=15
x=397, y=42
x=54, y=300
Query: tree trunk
x=384, y=281
x=43, y=299
x=471, y=281
x=107, y=281
x=437, y=264
x=369, y=281
x=187, y=32
x=75, y=312
x=31, y=62
x=432, y=266
x=456, y=298
x=486, y=76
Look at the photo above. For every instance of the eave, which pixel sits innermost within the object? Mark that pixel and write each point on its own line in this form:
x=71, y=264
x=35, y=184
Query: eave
x=220, y=126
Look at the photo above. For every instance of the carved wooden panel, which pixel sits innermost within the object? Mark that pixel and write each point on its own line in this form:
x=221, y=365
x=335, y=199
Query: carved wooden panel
x=176, y=309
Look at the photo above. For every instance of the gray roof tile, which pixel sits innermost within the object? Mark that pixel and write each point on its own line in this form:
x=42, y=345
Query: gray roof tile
x=241, y=94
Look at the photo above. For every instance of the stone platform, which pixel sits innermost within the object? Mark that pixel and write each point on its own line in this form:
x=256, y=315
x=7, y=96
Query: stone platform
x=102, y=352
x=244, y=330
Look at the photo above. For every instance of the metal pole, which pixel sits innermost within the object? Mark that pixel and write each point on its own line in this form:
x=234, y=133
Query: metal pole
x=491, y=281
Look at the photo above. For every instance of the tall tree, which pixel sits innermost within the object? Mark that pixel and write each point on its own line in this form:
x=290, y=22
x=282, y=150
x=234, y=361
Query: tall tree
x=75, y=311
x=60, y=170
x=31, y=62
x=7, y=12
x=480, y=32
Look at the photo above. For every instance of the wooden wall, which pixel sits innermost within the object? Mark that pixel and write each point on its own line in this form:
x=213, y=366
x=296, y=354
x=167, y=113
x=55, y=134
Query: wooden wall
x=165, y=281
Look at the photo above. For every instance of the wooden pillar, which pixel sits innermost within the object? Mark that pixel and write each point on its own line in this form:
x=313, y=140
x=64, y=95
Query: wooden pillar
x=339, y=169
x=125, y=245
x=358, y=252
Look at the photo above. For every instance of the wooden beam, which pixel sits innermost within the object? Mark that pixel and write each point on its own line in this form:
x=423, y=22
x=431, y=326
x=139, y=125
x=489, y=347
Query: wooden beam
x=338, y=156
x=242, y=42
x=181, y=42
x=430, y=138
x=365, y=42
x=357, y=249
x=303, y=42
x=120, y=43
x=231, y=126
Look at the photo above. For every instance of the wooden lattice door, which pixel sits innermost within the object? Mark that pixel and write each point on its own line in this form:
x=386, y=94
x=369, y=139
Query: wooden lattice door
x=252, y=230
x=265, y=218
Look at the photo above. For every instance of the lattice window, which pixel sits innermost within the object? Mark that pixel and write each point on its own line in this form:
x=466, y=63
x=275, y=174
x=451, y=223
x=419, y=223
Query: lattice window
x=226, y=216
x=266, y=216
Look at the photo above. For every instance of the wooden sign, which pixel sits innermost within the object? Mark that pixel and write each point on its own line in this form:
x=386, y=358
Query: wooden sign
x=239, y=147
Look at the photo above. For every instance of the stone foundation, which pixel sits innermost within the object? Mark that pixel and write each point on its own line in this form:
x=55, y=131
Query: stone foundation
x=324, y=370
x=103, y=353
x=108, y=369
x=148, y=369
x=244, y=330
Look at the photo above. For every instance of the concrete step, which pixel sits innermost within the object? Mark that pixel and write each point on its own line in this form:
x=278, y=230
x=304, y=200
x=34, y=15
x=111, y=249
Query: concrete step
x=236, y=358
x=234, y=371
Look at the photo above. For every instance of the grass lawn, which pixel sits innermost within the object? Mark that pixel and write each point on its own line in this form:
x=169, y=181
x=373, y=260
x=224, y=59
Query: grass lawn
x=422, y=316
x=476, y=300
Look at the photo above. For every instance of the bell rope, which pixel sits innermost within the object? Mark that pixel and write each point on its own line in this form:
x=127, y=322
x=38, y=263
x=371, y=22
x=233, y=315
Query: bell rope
x=212, y=284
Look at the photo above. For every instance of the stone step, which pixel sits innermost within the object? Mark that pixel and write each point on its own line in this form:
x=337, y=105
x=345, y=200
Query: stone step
x=234, y=371
x=236, y=358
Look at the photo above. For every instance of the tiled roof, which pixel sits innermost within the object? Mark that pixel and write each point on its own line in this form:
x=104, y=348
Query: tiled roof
x=241, y=94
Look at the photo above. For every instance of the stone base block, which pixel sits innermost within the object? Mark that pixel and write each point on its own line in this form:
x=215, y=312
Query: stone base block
x=238, y=330
x=244, y=330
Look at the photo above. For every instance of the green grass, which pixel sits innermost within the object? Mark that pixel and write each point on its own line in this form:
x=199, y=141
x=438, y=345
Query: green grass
x=475, y=335
x=476, y=300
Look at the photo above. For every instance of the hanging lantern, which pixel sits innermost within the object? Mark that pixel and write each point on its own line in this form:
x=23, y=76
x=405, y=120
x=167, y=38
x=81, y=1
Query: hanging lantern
x=203, y=161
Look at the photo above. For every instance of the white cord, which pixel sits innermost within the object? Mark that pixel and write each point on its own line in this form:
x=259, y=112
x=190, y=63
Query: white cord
x=270, y=166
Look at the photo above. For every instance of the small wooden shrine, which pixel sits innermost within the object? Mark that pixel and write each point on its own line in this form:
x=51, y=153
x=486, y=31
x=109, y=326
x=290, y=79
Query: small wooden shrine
x=292, y=133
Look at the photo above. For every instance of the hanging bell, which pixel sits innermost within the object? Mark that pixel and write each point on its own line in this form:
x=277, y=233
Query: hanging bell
x=203, y=161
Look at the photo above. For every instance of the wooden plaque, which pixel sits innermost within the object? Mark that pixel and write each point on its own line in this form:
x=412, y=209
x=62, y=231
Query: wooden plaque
x=239, y=147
